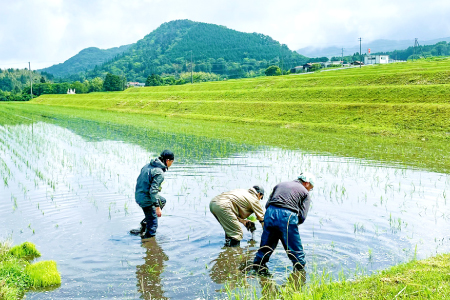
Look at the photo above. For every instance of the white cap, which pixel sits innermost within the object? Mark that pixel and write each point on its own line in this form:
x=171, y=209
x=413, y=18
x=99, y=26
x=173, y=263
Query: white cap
x=307, y=177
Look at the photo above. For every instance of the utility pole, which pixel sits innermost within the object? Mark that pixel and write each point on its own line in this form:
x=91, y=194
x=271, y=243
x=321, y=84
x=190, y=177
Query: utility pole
x=192, y=74
x=360, y=54
x=342, y=57
x=31, y=80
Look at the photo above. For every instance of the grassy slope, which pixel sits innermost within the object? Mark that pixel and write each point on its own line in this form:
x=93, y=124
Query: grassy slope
x=397, y=113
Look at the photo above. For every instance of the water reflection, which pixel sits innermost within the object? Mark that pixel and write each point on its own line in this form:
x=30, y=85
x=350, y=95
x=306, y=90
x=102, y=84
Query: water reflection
x=149, y=274
x=232, y=263
x=58, y=185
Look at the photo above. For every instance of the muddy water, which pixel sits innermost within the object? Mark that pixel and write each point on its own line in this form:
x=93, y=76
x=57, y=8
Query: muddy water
x=68, y=187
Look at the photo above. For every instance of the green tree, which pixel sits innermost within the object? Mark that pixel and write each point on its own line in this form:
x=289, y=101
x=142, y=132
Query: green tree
x=154, y=80
x=273, y=71
x=112, y=83
x=95, y=85
x=315, y=67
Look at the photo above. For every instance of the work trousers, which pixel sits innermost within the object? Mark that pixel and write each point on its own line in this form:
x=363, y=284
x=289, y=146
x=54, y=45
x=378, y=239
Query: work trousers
x=152, y=221
x=281, y=224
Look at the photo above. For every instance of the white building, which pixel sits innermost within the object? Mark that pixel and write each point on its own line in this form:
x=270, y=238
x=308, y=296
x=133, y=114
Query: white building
x=376, y=59
x=136, y=84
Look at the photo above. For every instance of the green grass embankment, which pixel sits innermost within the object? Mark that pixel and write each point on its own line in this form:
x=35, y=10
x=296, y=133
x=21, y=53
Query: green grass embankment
x=396, y=101
x=421, y=279
x=18, y=275
x=397, y=113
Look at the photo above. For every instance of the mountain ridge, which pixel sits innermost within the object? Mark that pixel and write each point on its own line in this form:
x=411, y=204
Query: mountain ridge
x=213, y=48
x=380, y=45
x=85, y=59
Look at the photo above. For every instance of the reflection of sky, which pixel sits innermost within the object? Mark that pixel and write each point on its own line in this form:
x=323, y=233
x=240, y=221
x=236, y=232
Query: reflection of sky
x=78, y=197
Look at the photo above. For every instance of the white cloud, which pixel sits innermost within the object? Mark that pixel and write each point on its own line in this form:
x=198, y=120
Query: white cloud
x=46, y=32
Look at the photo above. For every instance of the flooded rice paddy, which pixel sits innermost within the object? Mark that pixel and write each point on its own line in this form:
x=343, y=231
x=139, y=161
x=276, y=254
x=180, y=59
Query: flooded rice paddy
x=68, y=187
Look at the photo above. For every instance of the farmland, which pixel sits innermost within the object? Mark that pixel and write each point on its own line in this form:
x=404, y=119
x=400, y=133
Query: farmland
x=398, y=112
x=377, y=138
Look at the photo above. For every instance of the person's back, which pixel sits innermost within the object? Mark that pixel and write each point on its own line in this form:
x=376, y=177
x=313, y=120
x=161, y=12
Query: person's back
x=244, y=203
x=291, y=195
x=154, y=169
x=148, y=185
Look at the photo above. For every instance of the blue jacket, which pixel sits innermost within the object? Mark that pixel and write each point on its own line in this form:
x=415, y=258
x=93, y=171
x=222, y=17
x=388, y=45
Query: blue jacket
x=148, y=183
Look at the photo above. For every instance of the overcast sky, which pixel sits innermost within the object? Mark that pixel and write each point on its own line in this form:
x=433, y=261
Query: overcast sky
x=48, y=32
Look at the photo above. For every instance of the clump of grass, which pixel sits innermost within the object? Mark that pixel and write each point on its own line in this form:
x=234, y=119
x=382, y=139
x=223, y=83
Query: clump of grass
x=418, y=279
x=18, y=275
x=26, y=250
x=43, y=274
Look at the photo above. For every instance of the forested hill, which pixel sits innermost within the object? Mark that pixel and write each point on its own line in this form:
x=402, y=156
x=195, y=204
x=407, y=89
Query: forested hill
x=85, y=60
x=169, y=48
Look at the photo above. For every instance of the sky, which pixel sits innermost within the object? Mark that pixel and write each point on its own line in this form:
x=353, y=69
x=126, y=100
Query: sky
x=48, y=32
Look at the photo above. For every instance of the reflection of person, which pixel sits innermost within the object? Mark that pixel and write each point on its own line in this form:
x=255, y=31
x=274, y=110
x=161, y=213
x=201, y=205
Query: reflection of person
x=287, y=208
x=149, y=274
x=148, y=186
x=232, y=208
x=231, y=264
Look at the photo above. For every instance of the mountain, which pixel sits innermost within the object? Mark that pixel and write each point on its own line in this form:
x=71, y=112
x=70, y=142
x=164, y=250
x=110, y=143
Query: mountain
x=375, y=46
x=85, y=60
x=169, y=50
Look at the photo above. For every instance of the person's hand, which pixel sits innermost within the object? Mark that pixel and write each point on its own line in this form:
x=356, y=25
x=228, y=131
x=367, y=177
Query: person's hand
x=158, y=211
x=250, y=226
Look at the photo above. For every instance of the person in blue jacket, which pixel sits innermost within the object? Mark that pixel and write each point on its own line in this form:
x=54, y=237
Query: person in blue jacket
x=286, y=209
x=148, y=187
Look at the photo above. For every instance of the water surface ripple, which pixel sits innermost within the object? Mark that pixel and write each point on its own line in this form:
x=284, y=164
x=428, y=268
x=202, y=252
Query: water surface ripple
x=74, y=198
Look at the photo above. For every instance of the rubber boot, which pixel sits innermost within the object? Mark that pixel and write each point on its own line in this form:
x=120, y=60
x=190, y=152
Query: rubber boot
x=230, y=242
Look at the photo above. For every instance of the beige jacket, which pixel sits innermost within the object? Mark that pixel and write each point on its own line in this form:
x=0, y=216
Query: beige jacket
x=243, y=203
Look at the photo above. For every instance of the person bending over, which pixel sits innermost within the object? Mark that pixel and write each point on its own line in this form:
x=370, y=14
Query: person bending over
x=286, y=208
x=233, y=207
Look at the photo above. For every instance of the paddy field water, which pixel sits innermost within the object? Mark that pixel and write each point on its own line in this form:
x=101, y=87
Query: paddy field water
x=67, y=185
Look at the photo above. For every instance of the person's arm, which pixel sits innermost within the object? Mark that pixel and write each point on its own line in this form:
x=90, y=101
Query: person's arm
x=259, y=213
x=304, y=208
x=155, y=187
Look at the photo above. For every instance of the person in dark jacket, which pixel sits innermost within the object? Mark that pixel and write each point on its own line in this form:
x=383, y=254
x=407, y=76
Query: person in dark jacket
x=286, y=208
x=147, y=188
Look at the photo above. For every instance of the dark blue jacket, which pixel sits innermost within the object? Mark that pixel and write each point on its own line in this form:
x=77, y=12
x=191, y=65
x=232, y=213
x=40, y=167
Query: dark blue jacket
x=148, y=183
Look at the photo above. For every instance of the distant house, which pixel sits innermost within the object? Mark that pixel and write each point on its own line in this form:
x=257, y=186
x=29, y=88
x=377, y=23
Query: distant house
x=297, y=69
x=71, y=92
x=331, y=63
x=376, y=59
x=135, y=84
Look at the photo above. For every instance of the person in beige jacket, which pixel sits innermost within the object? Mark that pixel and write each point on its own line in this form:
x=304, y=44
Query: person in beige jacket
x=233, y=207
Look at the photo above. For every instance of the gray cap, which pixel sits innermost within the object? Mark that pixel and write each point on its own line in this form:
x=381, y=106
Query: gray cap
x=259, y=189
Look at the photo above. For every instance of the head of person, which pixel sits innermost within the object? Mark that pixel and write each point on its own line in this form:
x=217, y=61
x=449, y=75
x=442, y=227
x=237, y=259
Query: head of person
x=167, y=157
x=260, y=190
x=308, y=180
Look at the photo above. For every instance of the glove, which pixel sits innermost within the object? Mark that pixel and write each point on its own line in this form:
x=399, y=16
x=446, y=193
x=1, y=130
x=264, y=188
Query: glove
x=161, y=201
x=250, y=226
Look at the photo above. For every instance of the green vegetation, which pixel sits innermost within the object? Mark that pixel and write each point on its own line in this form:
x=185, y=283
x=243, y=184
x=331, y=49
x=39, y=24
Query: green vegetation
x=172, y=47
x=86, y=59
x=17, y=275
x=114, y=83
x=438, y=49
x=423, y=279
x=397, y=113
x=26, y=250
